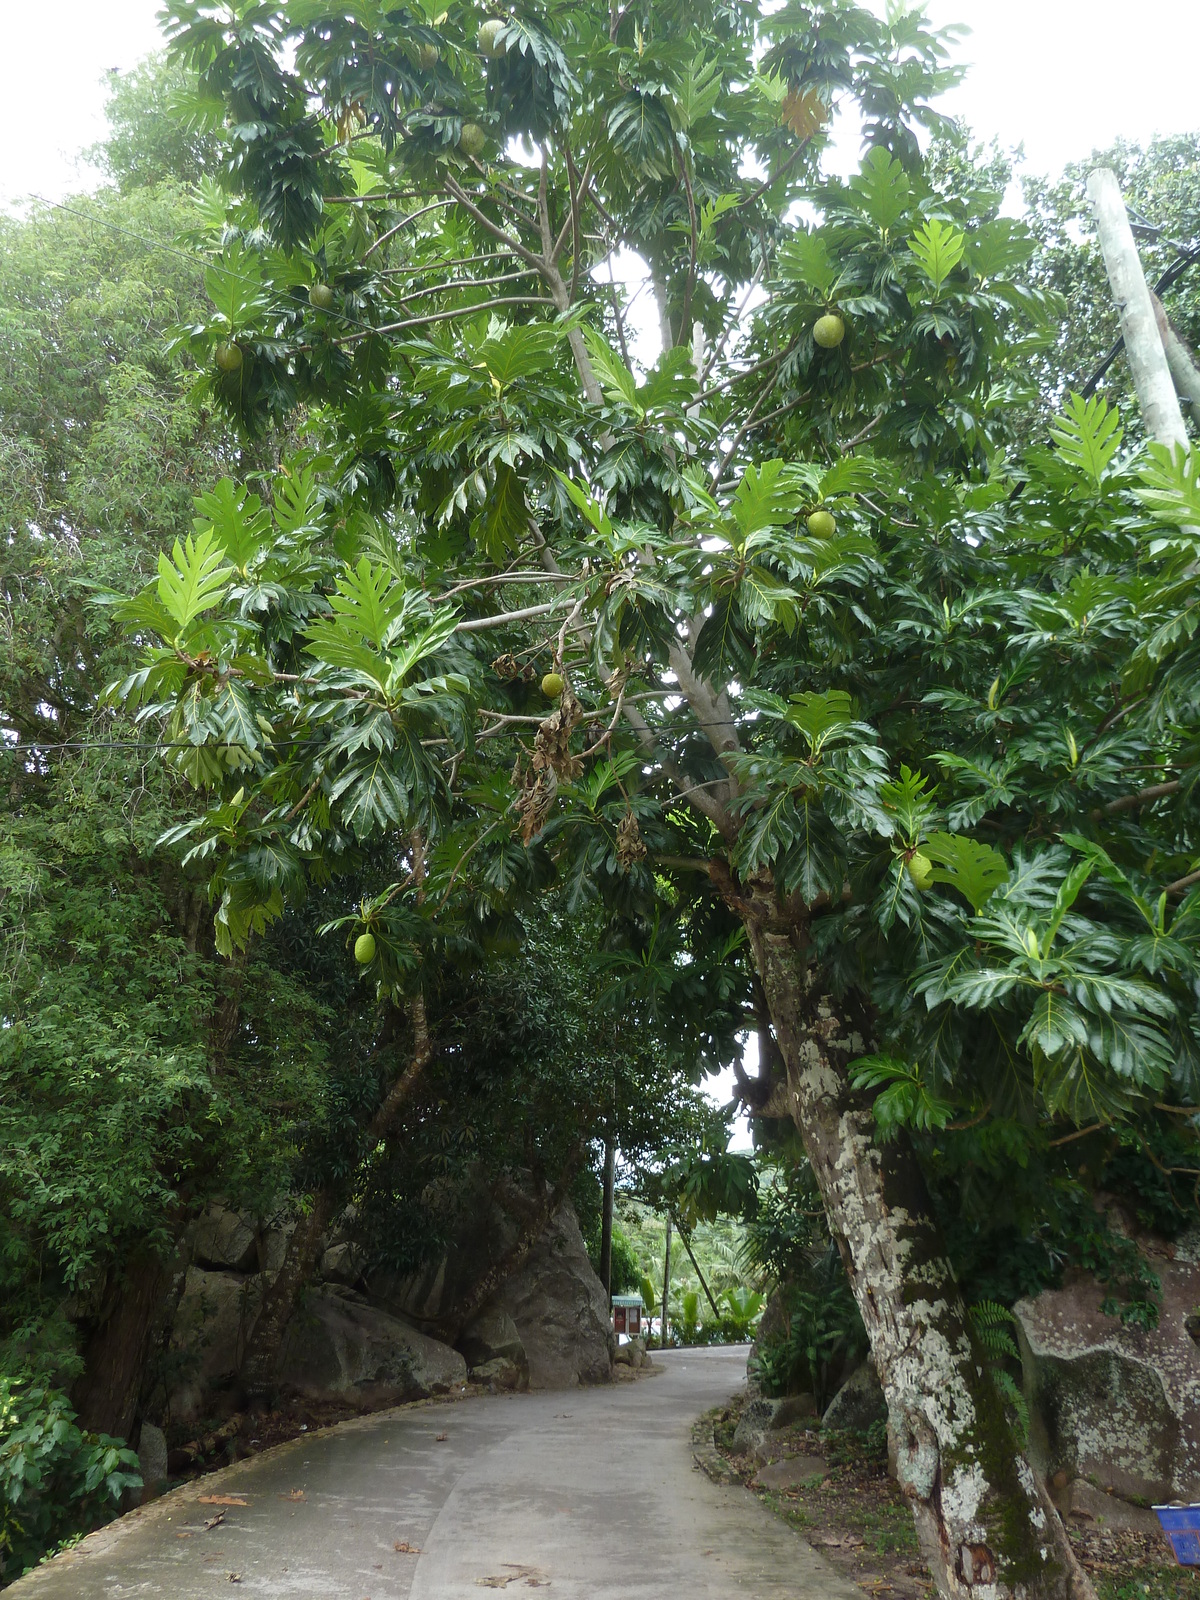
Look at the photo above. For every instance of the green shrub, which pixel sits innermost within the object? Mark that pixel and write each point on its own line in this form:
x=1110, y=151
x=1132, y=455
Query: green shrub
x=56, y=1481
x=824, y=1339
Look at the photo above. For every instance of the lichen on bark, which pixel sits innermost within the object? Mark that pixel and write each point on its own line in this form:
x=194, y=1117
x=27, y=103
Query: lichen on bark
x=986, y=1526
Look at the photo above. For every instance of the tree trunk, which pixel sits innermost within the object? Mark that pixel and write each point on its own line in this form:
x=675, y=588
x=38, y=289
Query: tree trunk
x=687, y=1245
x=114, y=1359
x=264, y=1344
x=985, y=1525
x=1181, y=362
x=606, y=1216
x=666, y=1299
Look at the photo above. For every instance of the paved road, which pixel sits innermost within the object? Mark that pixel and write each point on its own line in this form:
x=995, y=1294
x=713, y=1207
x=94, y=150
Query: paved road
x=591, y=1492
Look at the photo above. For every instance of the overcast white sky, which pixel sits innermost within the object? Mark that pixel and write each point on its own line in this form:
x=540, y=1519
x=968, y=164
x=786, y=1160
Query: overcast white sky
x=1062, y=77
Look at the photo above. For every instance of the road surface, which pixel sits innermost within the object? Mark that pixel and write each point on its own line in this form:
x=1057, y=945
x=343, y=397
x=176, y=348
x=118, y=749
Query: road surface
x=591, y=1493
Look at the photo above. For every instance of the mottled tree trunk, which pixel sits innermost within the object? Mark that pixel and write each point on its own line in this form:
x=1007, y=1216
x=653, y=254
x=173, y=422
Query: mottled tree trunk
x=985, y=1524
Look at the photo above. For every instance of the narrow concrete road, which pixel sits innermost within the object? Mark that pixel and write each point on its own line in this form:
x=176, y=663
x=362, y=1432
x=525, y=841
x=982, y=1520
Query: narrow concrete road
x=591, y=1492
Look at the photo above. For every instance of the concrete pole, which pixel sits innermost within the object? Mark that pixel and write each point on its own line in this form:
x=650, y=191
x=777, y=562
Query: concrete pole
x=1185, y=374
x=1161, y=416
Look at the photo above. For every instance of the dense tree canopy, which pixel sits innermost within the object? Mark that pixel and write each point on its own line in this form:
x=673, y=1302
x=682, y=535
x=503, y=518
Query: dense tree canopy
x=782, y=685
x=141, y=1074
x=863, y=723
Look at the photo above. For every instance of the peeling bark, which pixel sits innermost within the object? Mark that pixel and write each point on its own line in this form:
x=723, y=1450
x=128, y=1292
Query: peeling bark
x=986, y=1526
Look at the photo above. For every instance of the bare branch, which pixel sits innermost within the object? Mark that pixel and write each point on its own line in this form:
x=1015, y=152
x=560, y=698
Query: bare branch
x=479, y=624
x=413, y=216
x=456, y=190
x=444, y=316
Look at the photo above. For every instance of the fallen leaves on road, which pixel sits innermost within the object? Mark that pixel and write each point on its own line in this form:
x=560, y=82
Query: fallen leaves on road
x=215, y=1522
x=532, y=1577
x=402, y=1547
x=441, y=1437
x=294, y=1494
x=221, y=1500
x=235, y=1577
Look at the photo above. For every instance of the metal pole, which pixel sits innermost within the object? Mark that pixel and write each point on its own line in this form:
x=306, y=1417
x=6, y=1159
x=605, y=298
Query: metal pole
x=1161, y=415
x=666, y=1287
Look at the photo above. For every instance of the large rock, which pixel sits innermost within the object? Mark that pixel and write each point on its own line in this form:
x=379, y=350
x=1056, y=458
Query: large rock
x=560, y=1309
x=226, y=1241
x=338, y=1347
x=1085, y=1504
x=857, y=1404
x=553, y=1301
x=493, y=1336
x=500, y=1376
x=772, y=1328
x=342, y=1263
x=1112, y=1403
x=215, y=1313
x=755, y=1422
x=485, y=1235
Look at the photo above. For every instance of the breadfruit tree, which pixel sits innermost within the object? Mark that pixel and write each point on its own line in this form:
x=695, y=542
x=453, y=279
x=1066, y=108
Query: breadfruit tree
x=850, y=710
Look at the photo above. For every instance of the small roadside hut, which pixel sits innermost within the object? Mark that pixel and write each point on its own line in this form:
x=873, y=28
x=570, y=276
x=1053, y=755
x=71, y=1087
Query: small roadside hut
x=627, y=1314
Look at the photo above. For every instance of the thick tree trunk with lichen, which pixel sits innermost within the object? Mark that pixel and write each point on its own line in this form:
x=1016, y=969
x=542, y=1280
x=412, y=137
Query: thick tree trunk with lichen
x=985, y=1524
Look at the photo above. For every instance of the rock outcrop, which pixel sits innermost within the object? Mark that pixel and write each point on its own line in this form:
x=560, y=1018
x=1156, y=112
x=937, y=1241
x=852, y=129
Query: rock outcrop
x=545, y=1326
x=1114, y=1404
x=491, y=1345
x=338, y=1347
x=550, y=1315
x=226, y=1241
x=216, y=1311
x=560, y=1310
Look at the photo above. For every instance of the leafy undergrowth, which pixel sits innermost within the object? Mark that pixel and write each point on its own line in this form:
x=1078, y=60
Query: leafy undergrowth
x=856, y=1517
x=1135, y=1570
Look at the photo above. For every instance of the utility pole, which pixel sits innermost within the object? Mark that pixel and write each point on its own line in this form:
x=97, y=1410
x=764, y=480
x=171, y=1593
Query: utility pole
x=606, y=1217
x=1185, y=374
x=1161, y=416
x=666, y=1286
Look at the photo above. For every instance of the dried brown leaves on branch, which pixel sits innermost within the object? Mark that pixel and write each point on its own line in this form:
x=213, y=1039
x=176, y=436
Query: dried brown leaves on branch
x=552, y=760
x=631, y=847
x=507, y=666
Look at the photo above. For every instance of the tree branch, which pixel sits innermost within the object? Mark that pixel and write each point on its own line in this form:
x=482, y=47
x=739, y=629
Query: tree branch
x=1130, y=802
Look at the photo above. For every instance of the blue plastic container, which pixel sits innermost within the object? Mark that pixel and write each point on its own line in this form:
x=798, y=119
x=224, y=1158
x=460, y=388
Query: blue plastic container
x=1181, y=1524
